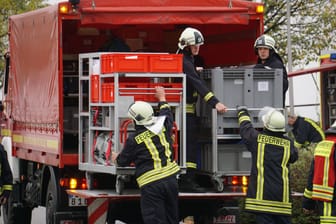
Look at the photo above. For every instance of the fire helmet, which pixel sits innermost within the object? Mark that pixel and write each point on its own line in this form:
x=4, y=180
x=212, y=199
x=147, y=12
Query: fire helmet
x=141, y=112
x=274, y=121
x=264, y=41
x=190, y=36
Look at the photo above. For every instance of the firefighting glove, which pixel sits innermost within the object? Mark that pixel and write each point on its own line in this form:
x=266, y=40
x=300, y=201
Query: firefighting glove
x=4, y=197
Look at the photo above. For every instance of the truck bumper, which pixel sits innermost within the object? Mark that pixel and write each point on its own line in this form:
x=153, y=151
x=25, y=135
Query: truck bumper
x=71, y=217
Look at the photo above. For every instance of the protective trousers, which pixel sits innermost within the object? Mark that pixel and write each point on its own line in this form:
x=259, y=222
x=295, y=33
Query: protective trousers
x=159, y=201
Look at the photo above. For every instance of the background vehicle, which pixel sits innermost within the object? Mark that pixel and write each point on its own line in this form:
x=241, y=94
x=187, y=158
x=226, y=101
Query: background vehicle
x=42, y=100
x=327, y=85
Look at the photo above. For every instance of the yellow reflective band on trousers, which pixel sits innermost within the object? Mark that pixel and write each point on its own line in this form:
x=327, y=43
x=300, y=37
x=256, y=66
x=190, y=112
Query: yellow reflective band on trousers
x=327, y=217
x=268, y=206
x=190, y=108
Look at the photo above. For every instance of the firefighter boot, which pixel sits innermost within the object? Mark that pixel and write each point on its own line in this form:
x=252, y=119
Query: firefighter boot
x=187, y=183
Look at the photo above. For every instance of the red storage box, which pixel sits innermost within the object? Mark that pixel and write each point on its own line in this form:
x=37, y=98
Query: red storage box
x=138, y=90
x=165, y=63
x=108, y=92
x=173, y=92
x=124, y=62
x=94, y=88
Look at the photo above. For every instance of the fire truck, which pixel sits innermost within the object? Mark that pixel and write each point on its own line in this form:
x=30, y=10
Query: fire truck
x=327, y=84
x=72, y=69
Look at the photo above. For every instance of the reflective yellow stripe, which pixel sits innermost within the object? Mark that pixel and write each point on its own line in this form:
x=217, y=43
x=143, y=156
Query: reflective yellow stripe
x=307, y=193
x=190, y=108
x=285, y=173
x=7, y=187
x=157, y=174
x=243, y=118
x=208, y=96
x=297, y=145
x=260, y=168
x=268, y=206
x=317, y=128
x=6, y=132
x=191, y=165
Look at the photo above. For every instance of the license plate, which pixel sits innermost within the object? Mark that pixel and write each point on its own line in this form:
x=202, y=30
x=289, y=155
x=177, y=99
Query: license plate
x=228, y=219
x=75, y=201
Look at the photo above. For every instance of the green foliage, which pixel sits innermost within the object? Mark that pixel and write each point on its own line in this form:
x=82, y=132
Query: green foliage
x=8, y=8
x=312, y=27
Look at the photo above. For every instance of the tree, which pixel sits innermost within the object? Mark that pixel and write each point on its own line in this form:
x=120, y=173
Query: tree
x=8, y=8
x=312, y=27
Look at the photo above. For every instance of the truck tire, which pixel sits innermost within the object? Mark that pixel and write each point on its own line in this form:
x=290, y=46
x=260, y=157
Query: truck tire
x=14, y=214
x=51, y=202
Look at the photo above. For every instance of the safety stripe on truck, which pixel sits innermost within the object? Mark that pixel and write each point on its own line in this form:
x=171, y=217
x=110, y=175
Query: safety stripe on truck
x=97, y=210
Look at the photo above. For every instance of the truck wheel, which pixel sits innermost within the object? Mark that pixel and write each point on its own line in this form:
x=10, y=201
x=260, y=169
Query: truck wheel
x=51, y=202
x=13, y=215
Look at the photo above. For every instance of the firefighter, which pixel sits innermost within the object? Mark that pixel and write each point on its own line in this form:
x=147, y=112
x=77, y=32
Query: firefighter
x=189, y=44
x=268, y=195
x=306, y=132
x=269, y=58
x=150, y=148
x=321, y=187
x=6, y=176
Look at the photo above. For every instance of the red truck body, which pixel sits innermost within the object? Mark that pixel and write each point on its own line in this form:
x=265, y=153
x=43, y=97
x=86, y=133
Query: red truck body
x=41, y=88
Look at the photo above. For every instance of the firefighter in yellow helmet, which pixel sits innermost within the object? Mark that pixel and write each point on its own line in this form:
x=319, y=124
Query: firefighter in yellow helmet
x=269, y=194
x=189, y=45
x=320, y=192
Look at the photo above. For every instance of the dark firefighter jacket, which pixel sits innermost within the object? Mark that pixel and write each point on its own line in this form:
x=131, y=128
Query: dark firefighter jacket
x=306, y=131
x=321, y=186
x=268, y=190
x=195, y=85
x=274, y=61
x=5, y=172
x=151, y=153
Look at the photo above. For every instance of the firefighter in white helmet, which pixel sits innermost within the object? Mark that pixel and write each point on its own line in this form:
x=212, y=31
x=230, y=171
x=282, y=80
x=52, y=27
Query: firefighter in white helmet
x=189, y=45
x=150, y=148
x=269, y=58
x=268, y=195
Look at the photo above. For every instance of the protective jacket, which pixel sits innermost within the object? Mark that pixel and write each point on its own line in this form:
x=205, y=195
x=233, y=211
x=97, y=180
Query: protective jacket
x=195, y=85
x=272, y=152
x=306, y=131
x=274, y=61
x=321, y=186
x=151, y=153
x=5, y=172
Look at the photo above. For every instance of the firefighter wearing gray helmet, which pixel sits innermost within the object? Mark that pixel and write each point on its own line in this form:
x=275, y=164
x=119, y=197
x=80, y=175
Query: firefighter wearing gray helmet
x=189, y=44
x=268, y=194
x=268, y=58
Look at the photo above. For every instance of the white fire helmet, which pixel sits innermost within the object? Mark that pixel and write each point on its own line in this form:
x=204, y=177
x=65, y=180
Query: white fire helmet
x=190, y=36
x=141, y=112
x=265, y=41
x=273, y=119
